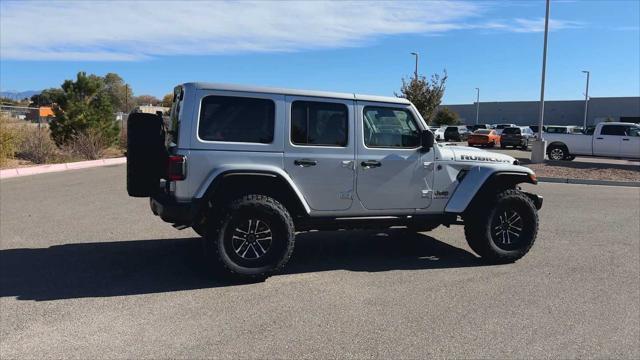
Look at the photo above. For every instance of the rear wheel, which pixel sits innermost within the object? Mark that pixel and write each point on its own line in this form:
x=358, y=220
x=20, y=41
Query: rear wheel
x=254, y=239
x=557, y=152
x=504, y=231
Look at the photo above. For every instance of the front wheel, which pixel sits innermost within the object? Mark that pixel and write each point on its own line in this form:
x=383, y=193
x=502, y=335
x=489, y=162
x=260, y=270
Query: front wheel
x=254, y=239
x=504, y=231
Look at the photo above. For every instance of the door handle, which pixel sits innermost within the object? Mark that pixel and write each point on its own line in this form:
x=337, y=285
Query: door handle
x=625, y=139
x=370, y=164
x=305, y=162
x=599, y=138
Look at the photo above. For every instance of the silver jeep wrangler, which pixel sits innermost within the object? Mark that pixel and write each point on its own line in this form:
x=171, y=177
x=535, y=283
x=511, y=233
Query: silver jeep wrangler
x=248, y=167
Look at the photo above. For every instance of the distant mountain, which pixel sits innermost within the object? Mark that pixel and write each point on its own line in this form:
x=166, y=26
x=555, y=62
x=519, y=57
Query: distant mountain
x=19, y=95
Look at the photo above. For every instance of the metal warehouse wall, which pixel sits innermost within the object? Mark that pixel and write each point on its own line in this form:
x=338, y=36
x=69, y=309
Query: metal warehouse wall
x=570, y=112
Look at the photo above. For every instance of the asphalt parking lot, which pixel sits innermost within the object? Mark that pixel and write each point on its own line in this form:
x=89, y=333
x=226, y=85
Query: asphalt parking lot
x=87, y=272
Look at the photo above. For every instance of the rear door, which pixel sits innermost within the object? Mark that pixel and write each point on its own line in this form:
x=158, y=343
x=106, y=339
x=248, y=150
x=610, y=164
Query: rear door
x=608, y=142
x=392, y=171
x=320, y=150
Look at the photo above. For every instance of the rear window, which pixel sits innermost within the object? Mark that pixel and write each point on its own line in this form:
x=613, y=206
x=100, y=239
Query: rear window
x=502, y=126
x=483, y=132
x=174, y=117
x=236, y=119
x=511, y=131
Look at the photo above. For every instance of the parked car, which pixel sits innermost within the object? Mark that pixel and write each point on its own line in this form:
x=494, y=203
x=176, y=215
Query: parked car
x=610, y=139
x=500, y=127
x=439, y=133
x=534, y=128
x=456, y=133
x=249, y=167
x=517, y=136
x=483, y=137
x=475, y=127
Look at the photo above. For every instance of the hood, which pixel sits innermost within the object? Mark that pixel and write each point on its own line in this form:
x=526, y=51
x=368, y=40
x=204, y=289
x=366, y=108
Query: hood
x=463, y=153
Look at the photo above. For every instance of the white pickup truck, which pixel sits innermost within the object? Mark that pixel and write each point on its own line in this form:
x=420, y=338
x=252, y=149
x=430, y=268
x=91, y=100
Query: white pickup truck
x=610, y=139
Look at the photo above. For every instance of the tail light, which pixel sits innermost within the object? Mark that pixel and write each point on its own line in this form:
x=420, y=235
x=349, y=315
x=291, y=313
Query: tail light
x=176, y=168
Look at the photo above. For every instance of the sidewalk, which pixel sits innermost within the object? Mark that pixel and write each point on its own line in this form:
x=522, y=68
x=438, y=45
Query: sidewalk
x=49, y=168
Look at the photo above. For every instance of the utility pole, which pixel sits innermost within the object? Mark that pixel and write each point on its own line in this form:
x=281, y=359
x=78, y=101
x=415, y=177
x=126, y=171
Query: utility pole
x=477, y=105
x=586, y=100
x=415, y=72
x=539, y=147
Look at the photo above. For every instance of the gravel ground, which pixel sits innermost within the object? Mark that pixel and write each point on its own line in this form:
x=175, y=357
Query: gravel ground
x=584, y=170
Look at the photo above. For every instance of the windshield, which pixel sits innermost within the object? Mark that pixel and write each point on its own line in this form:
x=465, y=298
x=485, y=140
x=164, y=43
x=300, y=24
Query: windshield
x=503, y=126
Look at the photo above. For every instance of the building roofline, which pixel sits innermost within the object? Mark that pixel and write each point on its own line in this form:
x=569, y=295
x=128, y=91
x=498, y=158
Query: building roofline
x=297, y=92
x=546, y=101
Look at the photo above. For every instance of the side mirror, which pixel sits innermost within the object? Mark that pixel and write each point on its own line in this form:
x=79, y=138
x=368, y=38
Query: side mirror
x=426, y=140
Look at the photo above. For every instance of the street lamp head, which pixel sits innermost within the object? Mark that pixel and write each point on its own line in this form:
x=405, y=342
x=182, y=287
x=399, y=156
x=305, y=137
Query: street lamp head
x=416, y=54
x=585, y=71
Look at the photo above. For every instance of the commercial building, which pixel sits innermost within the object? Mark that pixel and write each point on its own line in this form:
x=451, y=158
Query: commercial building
x=566, y=112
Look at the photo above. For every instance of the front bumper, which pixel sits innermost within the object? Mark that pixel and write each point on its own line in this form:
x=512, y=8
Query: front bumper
x=172, y=211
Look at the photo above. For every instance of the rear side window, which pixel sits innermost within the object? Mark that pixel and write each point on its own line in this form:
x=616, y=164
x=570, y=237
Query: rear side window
x=617, y=130
x=237, y=119
x=319, y=123
x=390, y=128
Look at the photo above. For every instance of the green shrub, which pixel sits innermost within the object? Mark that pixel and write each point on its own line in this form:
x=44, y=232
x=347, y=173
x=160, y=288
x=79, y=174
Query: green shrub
x=10, y=136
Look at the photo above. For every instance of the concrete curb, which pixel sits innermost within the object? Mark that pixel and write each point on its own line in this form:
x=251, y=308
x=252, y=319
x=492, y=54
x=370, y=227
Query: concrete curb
x=43, y=169
x=589, y=182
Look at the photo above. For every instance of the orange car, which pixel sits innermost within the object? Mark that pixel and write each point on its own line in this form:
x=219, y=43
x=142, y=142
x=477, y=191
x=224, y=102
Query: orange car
x=484, y=137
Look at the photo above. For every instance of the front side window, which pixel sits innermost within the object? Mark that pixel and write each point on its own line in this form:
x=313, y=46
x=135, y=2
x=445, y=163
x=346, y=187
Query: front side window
x=237, y=119
x=390, y=128
x=319, y=123
x=616, y=130
x=633, y=131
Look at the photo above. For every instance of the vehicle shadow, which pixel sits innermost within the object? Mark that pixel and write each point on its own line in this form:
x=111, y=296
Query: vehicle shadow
x=152, y=266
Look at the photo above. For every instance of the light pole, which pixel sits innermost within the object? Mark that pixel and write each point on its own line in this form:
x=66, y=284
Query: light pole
x=415, y=72
x=477, y=104
x=539, y=147
x=586, y=99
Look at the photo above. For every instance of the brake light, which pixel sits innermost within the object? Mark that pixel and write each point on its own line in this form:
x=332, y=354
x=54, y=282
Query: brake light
x=176, y=168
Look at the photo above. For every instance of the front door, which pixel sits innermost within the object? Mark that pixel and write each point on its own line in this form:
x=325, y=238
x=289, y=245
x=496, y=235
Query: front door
x=392, y=171
x=320, y=150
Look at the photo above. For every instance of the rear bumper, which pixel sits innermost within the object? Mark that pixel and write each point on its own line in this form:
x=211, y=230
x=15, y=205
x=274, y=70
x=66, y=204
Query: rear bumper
x=172, y=211
x=512, y=141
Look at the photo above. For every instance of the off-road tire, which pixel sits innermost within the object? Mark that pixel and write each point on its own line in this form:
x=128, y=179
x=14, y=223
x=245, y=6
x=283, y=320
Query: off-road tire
x=557, y=152
x=220, y=234
x=479, y=227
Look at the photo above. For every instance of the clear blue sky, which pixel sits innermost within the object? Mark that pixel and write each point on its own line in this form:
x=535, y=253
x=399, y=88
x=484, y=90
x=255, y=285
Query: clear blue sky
x=352, y=47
